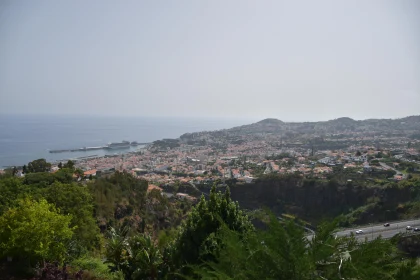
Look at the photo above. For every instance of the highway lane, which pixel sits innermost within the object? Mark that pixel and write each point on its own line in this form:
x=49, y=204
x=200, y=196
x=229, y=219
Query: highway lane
x=372, y=232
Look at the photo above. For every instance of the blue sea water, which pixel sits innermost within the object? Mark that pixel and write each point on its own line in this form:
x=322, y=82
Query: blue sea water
x=24, y=138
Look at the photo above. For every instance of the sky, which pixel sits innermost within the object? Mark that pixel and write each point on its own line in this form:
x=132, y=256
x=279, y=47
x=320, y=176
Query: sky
x=291, y=60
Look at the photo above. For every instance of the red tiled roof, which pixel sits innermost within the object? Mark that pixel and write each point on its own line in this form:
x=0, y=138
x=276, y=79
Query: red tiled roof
x=90, y=172
x=153, y=187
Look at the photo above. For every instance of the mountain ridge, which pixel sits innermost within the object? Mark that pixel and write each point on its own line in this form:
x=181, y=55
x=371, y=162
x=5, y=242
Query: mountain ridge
x=409, y=125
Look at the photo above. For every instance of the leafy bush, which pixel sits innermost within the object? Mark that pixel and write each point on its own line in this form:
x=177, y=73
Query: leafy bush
x=34, y=230
x=95, y=269
x=200, y=228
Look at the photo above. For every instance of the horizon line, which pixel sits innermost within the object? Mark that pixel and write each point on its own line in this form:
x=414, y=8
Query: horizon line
x=244, y=118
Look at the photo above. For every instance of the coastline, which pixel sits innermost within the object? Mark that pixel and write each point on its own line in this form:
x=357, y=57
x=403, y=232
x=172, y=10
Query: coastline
x=88, y=157
x=28, y=137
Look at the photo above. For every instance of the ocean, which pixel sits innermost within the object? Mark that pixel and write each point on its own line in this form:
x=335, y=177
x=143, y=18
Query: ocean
x=24, y=138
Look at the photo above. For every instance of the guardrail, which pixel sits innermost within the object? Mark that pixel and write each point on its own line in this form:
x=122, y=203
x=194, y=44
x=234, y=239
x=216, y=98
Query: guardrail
x=408, y=234
x=377, y=224
x=405, y=233
x=388, y=229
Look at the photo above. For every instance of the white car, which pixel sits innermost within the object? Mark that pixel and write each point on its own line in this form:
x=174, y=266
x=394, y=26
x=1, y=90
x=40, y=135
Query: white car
x=359, y=231
x=408, y=228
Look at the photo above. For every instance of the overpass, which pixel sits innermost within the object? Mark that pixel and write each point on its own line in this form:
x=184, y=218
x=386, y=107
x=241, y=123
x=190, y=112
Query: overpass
x=374, y=231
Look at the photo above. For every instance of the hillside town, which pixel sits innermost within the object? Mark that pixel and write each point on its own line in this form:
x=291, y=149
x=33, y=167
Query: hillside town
x=243, y=154
x=244, y=158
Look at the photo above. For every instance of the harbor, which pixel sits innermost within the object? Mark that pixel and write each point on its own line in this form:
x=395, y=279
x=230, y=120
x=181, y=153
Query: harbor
x=77, y=150
x=110, y=146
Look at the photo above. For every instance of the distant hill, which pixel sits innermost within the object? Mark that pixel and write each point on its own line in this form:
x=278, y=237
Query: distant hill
x=337, y=125
x=270, y=122
x=407, y=126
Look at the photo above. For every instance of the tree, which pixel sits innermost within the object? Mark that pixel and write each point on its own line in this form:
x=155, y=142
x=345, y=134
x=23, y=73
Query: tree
x=34, y=230
x=44, y=179
x=136, y=256
x=116, y=248
x=39, y=165
x=76, y=201
x=375, y=162
x=145, y=260
x=24, y=169
x=60, y=165
x=199, y=232
x=14, y=170
x=79, y=173
x=118, y=191
x=358, y=153
x=10, y=190
x=284, y=252
x=69, y=164
x=390, y=173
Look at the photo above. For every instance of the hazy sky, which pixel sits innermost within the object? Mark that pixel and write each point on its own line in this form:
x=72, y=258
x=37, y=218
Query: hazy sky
x=292, y=60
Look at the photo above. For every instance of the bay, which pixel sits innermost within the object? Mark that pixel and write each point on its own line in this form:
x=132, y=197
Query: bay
x=24, y=138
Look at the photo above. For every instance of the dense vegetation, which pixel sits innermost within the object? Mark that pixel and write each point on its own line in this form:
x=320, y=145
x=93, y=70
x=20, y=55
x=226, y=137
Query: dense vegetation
x=53, y=226
x=365, y=198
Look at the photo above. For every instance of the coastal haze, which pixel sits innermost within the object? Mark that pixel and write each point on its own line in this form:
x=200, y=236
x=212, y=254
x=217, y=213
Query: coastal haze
x=210, y=139
x=290, y=60
x=143, y=71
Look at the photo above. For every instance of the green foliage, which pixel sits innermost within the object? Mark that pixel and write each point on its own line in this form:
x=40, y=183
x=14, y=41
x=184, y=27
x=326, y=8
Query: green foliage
x=39, y=179
x=119, y=189
x=355, y=216
x=166, y=237
x=409, y=167
x=116, y=247
x=375, y=162
x=43, y=179
x=96, y=269
x=39, y=165
x=57, y=189
x=145, y=258
x=7, y=173
x=75, y=200
x=47, y=216
x=284, y=252
x=199, y=232
x=34, y=230
x=136, y=256
x=69, y=165
x=10, y=189
x=64, y=175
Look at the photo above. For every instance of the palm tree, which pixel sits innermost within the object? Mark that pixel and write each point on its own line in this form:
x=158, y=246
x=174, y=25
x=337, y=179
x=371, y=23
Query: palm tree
x=147, y=257
x=117, y=247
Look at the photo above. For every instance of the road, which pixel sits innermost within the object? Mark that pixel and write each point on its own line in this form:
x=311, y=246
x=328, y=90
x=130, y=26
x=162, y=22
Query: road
x=372, y=232
x=384, y=165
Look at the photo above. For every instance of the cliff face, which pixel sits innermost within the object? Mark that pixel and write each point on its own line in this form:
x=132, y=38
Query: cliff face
x=314, y=200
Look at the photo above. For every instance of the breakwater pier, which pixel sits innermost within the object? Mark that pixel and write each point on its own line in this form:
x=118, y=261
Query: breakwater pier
x=110, y=146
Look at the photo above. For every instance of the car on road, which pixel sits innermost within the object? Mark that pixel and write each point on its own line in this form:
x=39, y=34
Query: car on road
x=408, y=228
x=359, y=231
x=416, y=229
x=386, y=225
